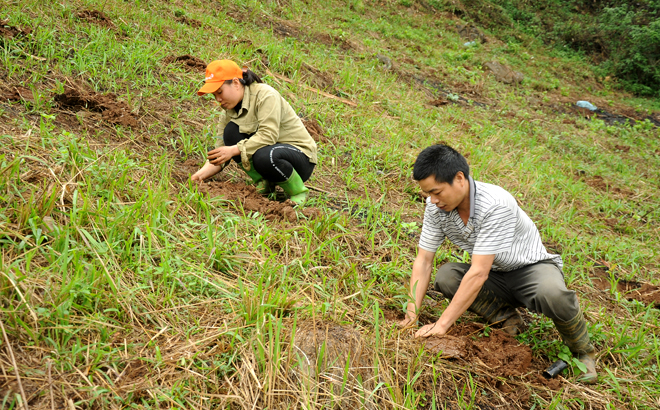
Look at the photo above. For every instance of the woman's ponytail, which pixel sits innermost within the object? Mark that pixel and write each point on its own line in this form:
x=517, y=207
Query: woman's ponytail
x=250, y=77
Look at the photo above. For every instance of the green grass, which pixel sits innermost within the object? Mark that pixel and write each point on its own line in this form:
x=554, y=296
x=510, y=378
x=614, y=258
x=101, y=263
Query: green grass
x=138, y=291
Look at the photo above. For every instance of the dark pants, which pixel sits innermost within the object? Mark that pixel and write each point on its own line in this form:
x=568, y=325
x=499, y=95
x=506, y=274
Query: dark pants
x=274, y=163
x=539, y=287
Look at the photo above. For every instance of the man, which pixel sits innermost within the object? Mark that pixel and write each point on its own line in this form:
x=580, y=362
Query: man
x=509, y=267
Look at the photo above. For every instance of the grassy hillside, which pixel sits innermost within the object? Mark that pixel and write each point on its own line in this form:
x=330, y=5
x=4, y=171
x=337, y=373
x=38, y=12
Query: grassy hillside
x=125, y=285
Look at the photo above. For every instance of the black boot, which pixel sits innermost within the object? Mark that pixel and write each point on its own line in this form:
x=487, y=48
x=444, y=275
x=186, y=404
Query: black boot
x=495, y=310
x=575, y=335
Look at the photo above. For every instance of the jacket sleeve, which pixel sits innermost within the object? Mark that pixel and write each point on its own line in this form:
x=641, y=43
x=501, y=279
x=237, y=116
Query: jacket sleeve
x=269, y=115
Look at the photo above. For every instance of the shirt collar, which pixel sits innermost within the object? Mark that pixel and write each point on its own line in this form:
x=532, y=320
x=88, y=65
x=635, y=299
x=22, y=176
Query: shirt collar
x=473, y=192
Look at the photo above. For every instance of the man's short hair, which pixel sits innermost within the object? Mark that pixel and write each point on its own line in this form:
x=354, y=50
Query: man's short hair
x=441, y=161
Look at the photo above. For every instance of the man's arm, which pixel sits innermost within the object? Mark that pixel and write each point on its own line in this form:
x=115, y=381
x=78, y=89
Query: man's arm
x=419, y=282
x=467, y=292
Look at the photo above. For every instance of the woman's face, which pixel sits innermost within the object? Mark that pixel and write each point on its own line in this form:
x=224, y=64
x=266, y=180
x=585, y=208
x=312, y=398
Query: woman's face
x=230, y=94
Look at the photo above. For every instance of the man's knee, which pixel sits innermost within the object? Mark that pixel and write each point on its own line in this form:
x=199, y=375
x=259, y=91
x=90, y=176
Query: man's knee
x=448, y=278
x=555, y=301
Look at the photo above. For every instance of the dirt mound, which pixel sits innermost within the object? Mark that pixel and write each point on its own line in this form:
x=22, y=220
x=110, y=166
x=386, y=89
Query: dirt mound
x=8, y=31
x=113, y=111
x=499, y=352
x=315, y=130
x=190, y=22
x=334, y=354
x=192, y=63
x=470, y=32
x=17, y=93
x=504, y=73
x=95, y=16
x=245, y=195
x=632, y=290
x=599, y=183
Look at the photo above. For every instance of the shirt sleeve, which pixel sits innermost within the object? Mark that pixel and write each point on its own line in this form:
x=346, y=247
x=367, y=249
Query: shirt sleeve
x=432, y=233
x=222, y=124
x=269, y=113
x=497, y=231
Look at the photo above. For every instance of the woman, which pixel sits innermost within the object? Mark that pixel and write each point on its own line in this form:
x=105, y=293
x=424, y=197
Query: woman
x=261, y=132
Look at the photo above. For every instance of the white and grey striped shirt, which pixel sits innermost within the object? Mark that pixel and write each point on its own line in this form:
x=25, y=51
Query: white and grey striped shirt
x=497, y=226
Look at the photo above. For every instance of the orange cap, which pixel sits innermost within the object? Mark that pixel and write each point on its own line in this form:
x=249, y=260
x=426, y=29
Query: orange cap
x=217, y=72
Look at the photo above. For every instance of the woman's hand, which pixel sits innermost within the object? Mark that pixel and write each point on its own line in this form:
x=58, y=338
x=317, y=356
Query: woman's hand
x=223, y=154
x=207, y=171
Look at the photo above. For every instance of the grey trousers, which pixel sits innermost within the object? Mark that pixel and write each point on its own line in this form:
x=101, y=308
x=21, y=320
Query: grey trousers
x=539, y=287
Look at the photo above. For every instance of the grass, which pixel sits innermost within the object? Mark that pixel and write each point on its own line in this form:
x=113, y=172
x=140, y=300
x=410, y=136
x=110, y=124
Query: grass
x=124, y=286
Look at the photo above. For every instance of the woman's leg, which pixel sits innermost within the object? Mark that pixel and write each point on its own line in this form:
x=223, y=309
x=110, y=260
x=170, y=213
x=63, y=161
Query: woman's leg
x=276, y=163
x=231, y=136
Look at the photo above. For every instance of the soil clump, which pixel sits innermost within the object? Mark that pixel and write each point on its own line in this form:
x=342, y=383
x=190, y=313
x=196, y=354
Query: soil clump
x=599, y=183
x=645, y=293
x=315, y=130
x=246, y=195
x=504, y=73
x=499, y=352
x=95, y=16
x=8, y=31
x=191, y=63
x=189, y=22
x=18, y=93
x=112, y=110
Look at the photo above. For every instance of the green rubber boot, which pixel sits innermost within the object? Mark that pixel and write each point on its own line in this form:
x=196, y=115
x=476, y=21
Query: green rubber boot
x=576, y=337
x=295, y=188
x=495, y=310
x=263, y=186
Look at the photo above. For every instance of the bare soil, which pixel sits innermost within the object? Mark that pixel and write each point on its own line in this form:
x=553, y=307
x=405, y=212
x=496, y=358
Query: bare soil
x=17, y=93
x=112, y=110
x=96, y=17
x=8, y=31
x=315, y=130
x=191, y=63
x=190, y=22
x=632, y=290
x=245, y=195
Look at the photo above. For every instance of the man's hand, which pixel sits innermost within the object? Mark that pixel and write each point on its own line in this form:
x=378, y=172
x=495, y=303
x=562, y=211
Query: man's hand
x=430, y=330
x=223, y=154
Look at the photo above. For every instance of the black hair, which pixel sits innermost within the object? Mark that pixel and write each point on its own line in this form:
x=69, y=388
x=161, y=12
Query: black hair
x=249, y=77
x=441, y=161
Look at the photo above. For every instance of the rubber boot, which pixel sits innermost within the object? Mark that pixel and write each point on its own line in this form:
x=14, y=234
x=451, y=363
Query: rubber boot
x=295, y=188
x=263, y=186
x=495, y=310
x=575, y=335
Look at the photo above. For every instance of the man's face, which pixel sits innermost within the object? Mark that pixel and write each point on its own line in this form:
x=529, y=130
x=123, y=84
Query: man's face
x=229, y=95
x=444, y=196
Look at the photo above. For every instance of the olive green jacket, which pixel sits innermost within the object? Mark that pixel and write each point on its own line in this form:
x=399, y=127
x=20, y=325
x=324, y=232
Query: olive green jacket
x=272, y=120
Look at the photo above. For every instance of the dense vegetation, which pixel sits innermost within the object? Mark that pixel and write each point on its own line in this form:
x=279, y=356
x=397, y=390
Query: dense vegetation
x=622, y=37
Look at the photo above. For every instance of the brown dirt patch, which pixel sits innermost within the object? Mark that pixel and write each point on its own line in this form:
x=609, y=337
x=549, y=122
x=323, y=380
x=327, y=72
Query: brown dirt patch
x=599, y=183
x=632, y=290
x=316, y=77
x=17, y=93
x=8, y=31
x=498, y=352
x=189, y=22
x=112, y=110
x=438, y=102
x=191, y=63
x=315, y=130
x=246, y=195
x=96, y=17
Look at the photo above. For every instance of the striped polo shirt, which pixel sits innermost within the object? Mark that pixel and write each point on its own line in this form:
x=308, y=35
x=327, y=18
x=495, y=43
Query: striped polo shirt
x=497, y=226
